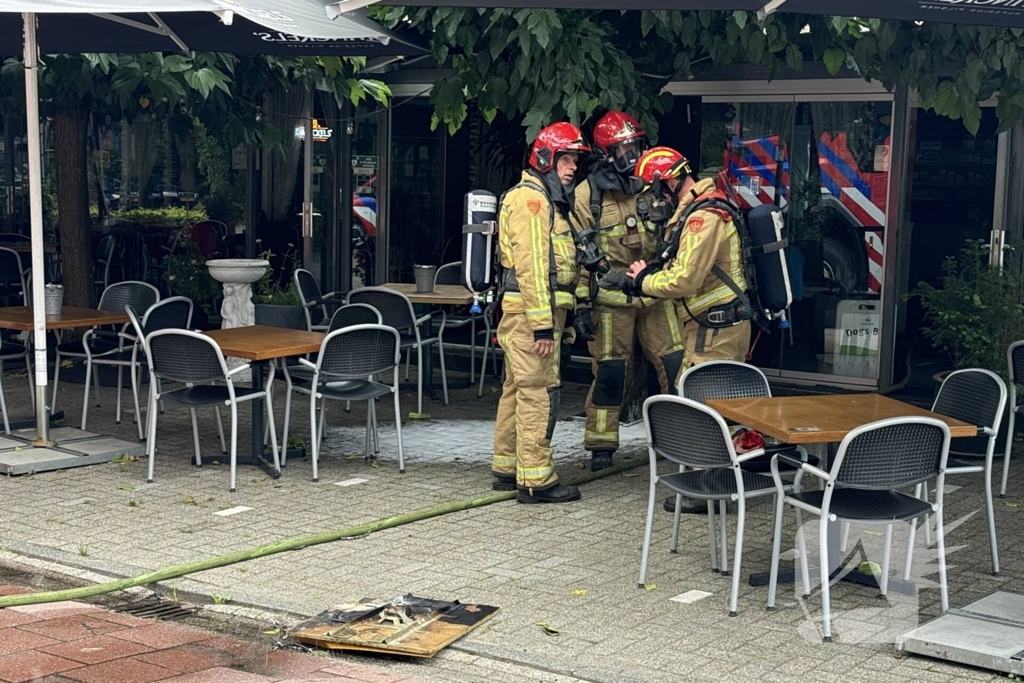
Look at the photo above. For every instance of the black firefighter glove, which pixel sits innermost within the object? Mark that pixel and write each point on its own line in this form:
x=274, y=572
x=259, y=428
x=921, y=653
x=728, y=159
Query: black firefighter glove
x=624, y=283
x=584, y=324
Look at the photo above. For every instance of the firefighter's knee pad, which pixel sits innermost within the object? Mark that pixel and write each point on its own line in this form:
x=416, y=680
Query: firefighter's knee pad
x=673, y=363
x=610, y=383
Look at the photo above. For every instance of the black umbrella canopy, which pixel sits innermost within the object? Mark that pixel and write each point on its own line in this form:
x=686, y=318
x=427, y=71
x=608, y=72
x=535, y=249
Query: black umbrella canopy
x=292, y=27
x=1004, y=13
x=691, y=5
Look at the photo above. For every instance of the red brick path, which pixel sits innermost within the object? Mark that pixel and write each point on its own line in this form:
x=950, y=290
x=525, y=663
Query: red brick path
x=73, y=642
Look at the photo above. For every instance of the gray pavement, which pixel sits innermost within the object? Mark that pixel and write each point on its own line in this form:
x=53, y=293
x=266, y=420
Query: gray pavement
x=573, y=567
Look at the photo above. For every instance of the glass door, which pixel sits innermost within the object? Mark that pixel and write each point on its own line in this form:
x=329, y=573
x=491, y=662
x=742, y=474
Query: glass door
x=826, y=163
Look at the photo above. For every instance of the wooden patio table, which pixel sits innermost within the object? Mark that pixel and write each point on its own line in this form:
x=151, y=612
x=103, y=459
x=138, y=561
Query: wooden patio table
x=822, y=420
x=20, y=318
x=260, y=344
x=442, y=295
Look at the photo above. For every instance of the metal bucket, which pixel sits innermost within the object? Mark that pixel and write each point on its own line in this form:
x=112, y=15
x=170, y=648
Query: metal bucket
x=54, y=299
x=424, y=278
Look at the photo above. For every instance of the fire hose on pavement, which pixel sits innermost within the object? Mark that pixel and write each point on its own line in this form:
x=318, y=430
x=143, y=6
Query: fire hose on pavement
x=290, y=544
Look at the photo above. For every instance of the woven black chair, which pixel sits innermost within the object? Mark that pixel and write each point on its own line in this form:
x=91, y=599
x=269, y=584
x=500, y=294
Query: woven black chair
x=140, y=296
x=396, y=311
x=299, y=378
x=10, y=351
x=169, y=314
x=103, y=258
x=1015, y=359
x=873, y=462
x=451, y=274
x=197, y=361
x=694, y=436
x=724, y=379
x=349, y=359
x=977, y=397
x=314, y=302
x=12, y=279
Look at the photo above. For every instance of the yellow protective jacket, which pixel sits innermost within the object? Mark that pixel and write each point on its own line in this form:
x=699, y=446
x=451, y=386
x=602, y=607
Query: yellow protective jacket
x=537, y=253
x=709, y=238
x=622, y=245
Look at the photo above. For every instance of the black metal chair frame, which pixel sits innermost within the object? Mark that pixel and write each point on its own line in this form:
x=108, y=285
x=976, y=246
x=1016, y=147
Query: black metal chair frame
x=299, y=378
x=411, y=327
x=317, y=300
x=104, y=343
x=707, y=484
x=324, y=382
x=231, y=399
x=838, y=478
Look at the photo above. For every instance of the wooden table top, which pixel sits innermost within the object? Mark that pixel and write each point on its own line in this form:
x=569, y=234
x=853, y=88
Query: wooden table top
x=823, y=419
x=26, y=247
x=442, y=295
x=20, y=318
x=259, y=342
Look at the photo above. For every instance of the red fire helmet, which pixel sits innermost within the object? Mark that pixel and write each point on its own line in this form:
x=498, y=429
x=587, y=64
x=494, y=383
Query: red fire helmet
x=619, y=128
x=661, y=163
x=558, y=138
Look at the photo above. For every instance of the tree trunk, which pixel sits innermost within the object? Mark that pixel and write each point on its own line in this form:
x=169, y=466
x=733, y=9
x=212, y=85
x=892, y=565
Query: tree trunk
x=70, y=143
x=637, y=386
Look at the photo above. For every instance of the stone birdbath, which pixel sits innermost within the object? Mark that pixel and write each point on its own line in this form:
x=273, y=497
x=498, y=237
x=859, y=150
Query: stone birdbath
x=237, y=276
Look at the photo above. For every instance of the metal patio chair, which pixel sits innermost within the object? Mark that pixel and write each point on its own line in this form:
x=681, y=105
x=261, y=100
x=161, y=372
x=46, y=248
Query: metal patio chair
x=299, y=378
x=723, y=379
x=1015, y=359
x=9, y=351
x=12, y=279
x=451, y=274
x=977, y=397
x=140, y=296
x=197, y=361
x=872, y=463
x=692, y=435
x=396, y=311
x=348, y=361
x=104, y=257
x=313, y=299
x=169, y=314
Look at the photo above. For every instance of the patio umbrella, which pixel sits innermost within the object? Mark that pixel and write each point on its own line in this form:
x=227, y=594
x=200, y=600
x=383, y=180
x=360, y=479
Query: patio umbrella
x=289, y=26
x=282, y=28
x=1006, y=13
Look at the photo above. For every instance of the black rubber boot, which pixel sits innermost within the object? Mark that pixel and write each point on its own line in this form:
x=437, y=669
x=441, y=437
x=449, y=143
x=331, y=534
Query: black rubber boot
x=601, y=460
x=690, y=506
x=503, y=482
x=553, y=494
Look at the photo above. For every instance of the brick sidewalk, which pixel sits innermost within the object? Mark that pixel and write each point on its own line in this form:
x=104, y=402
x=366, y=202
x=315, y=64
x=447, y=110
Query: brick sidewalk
x=74, y=642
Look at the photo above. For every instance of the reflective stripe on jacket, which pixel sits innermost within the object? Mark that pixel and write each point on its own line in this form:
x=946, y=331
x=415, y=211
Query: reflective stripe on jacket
x=538, y=254
x=709, y=238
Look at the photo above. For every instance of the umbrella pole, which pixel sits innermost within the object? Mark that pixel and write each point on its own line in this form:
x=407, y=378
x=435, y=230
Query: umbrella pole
x=35, y=182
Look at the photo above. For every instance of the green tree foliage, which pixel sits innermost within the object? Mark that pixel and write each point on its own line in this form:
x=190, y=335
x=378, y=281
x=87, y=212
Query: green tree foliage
x=546, y=64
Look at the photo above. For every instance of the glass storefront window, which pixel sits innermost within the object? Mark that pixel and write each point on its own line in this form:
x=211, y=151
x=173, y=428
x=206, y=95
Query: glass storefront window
x=827, y=165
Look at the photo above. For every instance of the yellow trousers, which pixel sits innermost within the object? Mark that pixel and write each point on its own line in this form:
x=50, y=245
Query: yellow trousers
x=657, y=327
x=528, y=408
x=724, y=343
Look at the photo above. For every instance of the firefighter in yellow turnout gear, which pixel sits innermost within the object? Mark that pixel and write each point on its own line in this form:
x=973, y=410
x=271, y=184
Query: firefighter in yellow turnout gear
x=538, y=256
x=715, y=324
x=608, y=201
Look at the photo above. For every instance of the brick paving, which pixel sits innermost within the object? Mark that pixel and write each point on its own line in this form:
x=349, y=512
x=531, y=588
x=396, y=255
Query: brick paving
x=82, y=644
x=573, y=567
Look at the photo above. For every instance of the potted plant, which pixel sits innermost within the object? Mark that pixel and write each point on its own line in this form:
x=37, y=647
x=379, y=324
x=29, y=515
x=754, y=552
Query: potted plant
x=975, y=313
x=276, y=301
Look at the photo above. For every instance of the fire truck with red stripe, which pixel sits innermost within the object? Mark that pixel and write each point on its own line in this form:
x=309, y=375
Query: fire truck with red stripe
x=850, y=215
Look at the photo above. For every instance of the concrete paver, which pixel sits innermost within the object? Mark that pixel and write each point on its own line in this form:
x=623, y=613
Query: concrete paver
x=571, y=566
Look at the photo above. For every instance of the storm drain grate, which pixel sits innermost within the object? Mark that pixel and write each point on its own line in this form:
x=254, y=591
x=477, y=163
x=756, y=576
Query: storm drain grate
x=156, y=607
